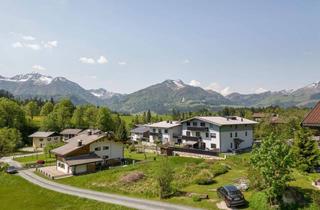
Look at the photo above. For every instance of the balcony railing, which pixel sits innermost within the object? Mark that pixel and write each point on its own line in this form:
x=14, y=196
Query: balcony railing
x=191, y=138
x=203, y=129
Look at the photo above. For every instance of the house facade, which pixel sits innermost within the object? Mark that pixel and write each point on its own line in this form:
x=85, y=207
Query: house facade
x=40, y=139
x=140, y=133
x=221, y=134
x=166, y=132
x=69, y=133
x=87, y=152
x=312, y=121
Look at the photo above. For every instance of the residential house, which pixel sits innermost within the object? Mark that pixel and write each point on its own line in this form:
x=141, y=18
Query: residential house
x=220, y=134
x=140, y=133
x=87, y=152
x=40, y=138
x=258, y=116
x=69, y=133
x=166, y=132
x=312, y=120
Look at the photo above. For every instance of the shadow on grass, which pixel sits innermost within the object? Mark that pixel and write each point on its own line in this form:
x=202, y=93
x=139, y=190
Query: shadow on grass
x=302, y=197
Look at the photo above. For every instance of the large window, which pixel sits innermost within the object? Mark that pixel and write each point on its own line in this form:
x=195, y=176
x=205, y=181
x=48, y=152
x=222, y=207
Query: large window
x=195, y=123
x=165, y=130
x=207, y=135
x=188, y=123
x=236, y=134
x=213, y=146
x=97, y=149
x=188, y=133
x=213, y=135
x=230, y=135
x=198, y=134
x=105, y=147
x=202, y=124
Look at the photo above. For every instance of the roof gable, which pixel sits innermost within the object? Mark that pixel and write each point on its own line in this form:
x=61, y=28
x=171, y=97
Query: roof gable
x=313, y=117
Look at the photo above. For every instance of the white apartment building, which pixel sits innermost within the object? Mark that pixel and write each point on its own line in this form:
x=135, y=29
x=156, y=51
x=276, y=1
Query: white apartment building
x=221, y=134
x=167, y=132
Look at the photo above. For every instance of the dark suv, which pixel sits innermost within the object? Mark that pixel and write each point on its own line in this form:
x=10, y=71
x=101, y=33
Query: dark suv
x=231, y=195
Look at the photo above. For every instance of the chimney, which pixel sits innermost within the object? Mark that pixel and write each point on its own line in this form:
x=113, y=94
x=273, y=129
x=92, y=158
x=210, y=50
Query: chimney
x=241, y=119
x=79, y=143
x=89, y=132
x=167, y=121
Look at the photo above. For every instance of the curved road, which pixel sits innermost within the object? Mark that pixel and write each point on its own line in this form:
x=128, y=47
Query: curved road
x=135, y=203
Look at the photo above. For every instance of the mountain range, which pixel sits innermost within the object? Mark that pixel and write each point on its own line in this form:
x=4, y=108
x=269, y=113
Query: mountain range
x=160, y=98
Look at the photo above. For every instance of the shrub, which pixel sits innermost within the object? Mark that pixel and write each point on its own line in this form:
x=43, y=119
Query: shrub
x=203, y=165
x=316, y=198
x=132, y=177
x=3, y=167
x=132, y=148
x=196, y=198
x=259, y=200
x=205, y=177
x=219, y=169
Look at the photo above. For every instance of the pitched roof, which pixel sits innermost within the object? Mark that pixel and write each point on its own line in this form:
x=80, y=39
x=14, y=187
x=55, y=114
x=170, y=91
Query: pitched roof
x=140, y=129
x=93, y=131
x=313, y=118
x=72, y=144
x=71, y=131
x=164, y=124
x=43, y=134
x=83, y=159
x=234, y=120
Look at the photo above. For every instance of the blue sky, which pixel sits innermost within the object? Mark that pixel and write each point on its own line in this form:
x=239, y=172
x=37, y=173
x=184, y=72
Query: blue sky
x=124, y=46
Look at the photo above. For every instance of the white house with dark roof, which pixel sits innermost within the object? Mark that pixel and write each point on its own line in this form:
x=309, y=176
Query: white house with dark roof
x=41, y=138
x=87, y=152
x=221, y=134
x=166, y=132
x=140, y=133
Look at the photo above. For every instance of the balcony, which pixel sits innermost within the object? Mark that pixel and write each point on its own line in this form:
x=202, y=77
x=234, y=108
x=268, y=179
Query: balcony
x=191, y=138
x=201, y=129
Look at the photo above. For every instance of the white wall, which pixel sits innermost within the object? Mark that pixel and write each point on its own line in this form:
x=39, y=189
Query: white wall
x=166, y=137
x=66, y=168
x=115, y=149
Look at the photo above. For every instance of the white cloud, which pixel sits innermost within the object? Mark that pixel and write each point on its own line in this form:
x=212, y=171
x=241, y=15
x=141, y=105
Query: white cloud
x=28, y=38
x=33, y=46
x=38, y=67
x=218, y=88
x=17, y=45
x=50, y=44
x=102, y=60
x=195, y=83
x=260, y=90
x=186, y=61
x=122, y=63
x=87, y=60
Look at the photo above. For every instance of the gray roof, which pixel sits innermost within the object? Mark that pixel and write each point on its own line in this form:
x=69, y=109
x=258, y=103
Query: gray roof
x=72, y=144
x=83, y=159
x=220, y=121
x=140, y=129
x=71, y=131
x=164, y=124
x=43, y=134
x=93, y=131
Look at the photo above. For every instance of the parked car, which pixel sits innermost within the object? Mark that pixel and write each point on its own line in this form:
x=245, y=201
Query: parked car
x=231, y=195
x=11, y=170
x=40, y=162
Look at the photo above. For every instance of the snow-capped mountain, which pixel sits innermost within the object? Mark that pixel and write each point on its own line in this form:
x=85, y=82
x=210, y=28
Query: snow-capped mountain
x=103, y=93
x=42, y=86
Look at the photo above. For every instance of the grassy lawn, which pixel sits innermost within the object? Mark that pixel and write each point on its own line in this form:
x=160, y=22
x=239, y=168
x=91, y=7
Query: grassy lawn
x=185, y=170
x=16, y=194
x=34, y=158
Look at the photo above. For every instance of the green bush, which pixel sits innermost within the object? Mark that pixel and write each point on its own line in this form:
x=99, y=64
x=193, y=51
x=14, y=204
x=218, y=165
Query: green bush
x=204, y=177
x=316, y=198
x=219, y=169
x=3, y=167
x=259, y=200
x=132, y=148
x=203, y=165
x=196, y=198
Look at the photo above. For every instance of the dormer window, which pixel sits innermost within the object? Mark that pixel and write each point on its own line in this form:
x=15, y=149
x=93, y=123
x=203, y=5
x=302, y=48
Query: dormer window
x=194, y=123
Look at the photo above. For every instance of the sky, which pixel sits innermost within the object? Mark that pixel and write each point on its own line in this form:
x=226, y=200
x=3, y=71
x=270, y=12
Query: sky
x=124, y=45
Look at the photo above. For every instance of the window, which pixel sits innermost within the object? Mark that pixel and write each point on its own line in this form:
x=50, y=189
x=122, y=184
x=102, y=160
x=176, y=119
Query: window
x=154, y=130
x=188, y=123
x=236, y=126
x=198, y=134
x=211, y=125
x=207, y=135
x=165, y=130
x=236, y=134
x=195, y=124
x=231, y=145
x=61, y=165
x=188, y=133
x=159, y=130
x=246, y=133
x=41, y=139
x=105, y=157
x=55, y=138
x=97, y=149
x=49, y=139
x=230, y=135
x=202, y=124
x=214, y=135
x=105, y=147
x=213, y=146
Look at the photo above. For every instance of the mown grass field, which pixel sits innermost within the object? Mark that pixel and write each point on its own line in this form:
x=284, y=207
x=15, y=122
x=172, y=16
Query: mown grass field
x=33, y=159
x=17, y=194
